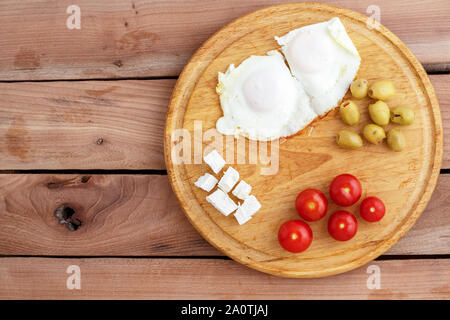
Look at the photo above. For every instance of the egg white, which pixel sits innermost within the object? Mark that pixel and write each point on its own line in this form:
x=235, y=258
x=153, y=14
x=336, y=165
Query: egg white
x=261, y=100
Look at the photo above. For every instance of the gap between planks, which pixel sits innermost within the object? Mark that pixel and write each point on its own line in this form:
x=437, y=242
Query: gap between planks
x=110, y=172
x=98, y=79
x=89, y=171
x=431, y=69
x=380, y=258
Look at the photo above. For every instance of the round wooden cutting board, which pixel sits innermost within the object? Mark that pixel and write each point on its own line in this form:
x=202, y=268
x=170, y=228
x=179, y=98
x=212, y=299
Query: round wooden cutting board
x=311, y=159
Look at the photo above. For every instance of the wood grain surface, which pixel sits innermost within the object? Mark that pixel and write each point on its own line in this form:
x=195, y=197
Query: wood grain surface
x=138, y=38
x=138, y=215
x=403, y=180
x=56, y=125
x=117, y=125
x=83, y=125
x=120, y=215
x=29, y=278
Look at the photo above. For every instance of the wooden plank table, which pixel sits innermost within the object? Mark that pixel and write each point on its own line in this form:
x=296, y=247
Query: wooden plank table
x=82, y=116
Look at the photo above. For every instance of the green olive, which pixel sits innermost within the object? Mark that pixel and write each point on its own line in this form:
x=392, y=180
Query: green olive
x=373, y=133
x=381, y=89
x=349, y=139
x=396, y=140
x=402, y=115
x=359, y=88
x=379, y=113
x=349, y=112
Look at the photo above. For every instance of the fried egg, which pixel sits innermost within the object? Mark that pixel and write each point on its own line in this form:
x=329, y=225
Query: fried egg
x=324, y=59
x=261, y=100
x=265, y=99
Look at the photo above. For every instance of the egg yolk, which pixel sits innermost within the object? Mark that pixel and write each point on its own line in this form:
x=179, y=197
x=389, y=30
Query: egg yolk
x=310, y=52
x=268, y=90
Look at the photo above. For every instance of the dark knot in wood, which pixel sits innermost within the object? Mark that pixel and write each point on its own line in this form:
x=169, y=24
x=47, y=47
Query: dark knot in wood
x=118, y=63
x=64, y=215
x=69, y=182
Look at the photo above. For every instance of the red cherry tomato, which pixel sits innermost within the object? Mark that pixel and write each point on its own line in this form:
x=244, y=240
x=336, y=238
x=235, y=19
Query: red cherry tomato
x=342, y=225
x=372, y=209
x=345, y=190
x=295, y=236
x=311, y=204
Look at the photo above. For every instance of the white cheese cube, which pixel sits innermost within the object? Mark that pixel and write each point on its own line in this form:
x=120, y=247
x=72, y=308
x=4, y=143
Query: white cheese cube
x=250, y=206
x=222, y=202
x=242, y=190
x=206, y=182
x=215, y=161
x=241, y=218
x=229, y=179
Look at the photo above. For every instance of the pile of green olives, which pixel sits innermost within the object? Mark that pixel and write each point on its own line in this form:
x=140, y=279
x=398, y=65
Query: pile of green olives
x=380, y=114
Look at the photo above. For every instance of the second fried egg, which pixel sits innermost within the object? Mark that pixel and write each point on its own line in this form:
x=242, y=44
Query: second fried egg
x=324, y=59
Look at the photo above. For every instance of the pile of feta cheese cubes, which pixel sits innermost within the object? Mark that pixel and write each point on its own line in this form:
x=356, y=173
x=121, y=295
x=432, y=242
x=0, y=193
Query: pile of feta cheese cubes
x=220, y=198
